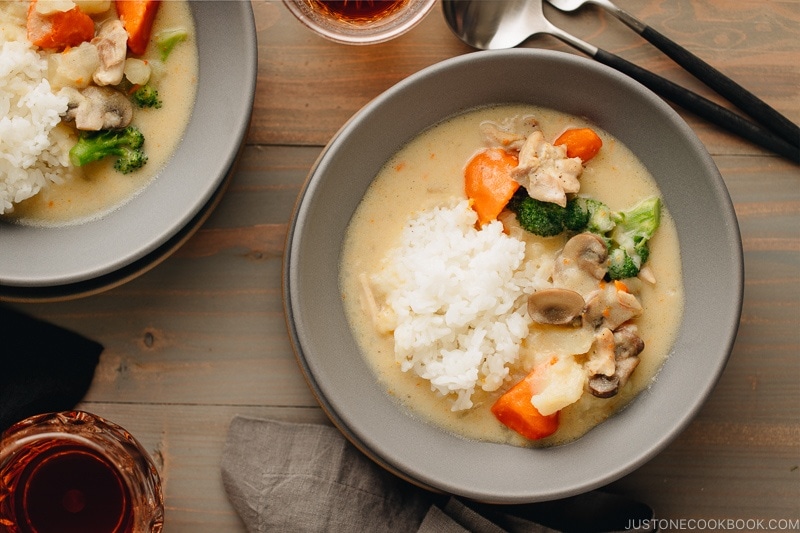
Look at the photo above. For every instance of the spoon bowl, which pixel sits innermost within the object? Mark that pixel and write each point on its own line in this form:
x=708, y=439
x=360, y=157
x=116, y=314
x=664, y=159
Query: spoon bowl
x=494, y=25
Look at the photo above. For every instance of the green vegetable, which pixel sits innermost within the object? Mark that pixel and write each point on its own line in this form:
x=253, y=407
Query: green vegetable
x=601, y=218
x=621, y=265
x=576, y=214
x=146, y=96
x=547, y=219
x=626, y=233
x=167, y=39
x=124, y=143
x=629, y=248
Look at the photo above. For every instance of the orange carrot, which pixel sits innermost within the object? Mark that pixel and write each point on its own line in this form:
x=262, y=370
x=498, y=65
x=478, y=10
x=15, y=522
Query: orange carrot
x=620, y=286
x=581, y=142
x=137, y=16
x=515, y=410
x=488, y=182
x=59, y=30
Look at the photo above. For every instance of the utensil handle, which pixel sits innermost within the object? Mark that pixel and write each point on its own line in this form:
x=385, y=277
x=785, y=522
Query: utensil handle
x=701, y=106
x=735, y=93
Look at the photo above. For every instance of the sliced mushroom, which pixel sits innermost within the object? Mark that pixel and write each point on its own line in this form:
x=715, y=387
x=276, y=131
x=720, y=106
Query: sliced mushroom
x=97, y=108
x=604, y=386
x=610, y=307
x=627, y=342
x=112, y=47
x=588, y=252
x=555, y=306
x=582, y=263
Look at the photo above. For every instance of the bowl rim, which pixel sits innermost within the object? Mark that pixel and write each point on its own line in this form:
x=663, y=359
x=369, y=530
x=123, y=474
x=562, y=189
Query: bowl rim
x=364, y=437
x=94, y=250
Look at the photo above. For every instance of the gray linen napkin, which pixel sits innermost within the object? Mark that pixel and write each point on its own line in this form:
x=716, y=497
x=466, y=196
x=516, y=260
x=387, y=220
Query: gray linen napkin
x=290, y=477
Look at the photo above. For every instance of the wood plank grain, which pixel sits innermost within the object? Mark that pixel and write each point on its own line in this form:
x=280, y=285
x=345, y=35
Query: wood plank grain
x=308, y=87
x=202, y=338
x=186, y=443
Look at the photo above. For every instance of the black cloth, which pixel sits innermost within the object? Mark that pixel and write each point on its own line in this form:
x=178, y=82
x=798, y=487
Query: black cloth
x=43, y=367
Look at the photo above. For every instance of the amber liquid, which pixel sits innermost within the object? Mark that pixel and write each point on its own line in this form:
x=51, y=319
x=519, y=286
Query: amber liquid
x=360, y=11
x=70, y=488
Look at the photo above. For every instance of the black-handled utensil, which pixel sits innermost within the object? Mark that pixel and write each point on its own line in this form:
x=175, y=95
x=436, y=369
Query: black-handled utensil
x=722, y=84
x=701, y=106
x=491, y=25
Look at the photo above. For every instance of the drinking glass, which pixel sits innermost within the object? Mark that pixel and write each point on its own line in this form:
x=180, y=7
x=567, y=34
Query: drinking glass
x=360, y=21
x=74, y=472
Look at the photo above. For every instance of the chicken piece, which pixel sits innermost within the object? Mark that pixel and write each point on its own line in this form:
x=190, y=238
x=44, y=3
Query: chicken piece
x=602, y=358
x=627, y=342
x=546, y=171
x=610, y=307
x=510, y=134
x=97, y=108
x=112, y=47
x=626, y=345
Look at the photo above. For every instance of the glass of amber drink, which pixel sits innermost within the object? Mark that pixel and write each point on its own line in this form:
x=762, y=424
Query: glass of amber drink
x=74, y=472
x=360, y=21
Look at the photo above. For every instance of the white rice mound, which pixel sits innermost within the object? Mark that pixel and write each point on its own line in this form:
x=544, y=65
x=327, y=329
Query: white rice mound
x=459, y=298
x=33, y=152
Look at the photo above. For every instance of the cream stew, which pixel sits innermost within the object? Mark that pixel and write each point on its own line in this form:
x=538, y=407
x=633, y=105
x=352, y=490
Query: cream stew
x=428, y=172
x=96, y=189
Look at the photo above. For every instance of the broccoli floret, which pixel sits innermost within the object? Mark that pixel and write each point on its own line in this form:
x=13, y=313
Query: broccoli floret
x=146, y=96
x=637, y=224
x=576, y=215
x=125, y=143
x=130, y=160
x=601, y=218
x=626, y=233
x=621, y=265
x=167, y=39
x=540, y=218
x=547, y=219
x=629, y=248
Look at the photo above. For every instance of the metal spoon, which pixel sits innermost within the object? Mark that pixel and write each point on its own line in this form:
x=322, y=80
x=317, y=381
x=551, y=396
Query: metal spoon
x=499, y=24
x=735, y=93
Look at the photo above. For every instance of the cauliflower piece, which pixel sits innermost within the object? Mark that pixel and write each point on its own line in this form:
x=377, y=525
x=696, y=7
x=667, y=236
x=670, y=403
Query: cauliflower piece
x=561, y=384
x=546, y=171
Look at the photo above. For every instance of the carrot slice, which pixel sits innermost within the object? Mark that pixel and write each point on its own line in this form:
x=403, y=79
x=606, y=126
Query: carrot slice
x=515, y=410
x=488, y=182
x=59, y=30
x=137, y=17
x=580, y=142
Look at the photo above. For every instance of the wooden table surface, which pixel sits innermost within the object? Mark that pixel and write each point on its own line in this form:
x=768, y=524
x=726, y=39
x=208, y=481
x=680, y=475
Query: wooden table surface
x=201, y=337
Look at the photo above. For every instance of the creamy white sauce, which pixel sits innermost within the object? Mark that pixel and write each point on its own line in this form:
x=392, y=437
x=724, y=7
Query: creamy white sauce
x=96, y=189
x=428, y=172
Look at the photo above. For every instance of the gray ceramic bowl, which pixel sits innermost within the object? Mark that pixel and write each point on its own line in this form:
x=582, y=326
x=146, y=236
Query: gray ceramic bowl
x=59, y=262
x=711, y=259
